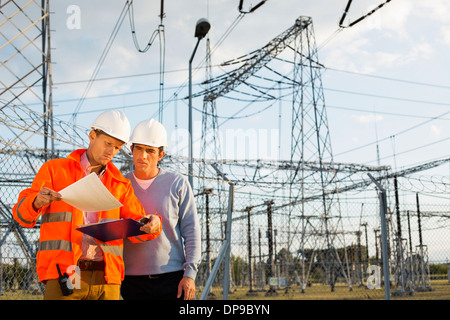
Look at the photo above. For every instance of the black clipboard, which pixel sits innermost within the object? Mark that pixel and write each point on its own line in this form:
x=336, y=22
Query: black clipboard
x=113, y=230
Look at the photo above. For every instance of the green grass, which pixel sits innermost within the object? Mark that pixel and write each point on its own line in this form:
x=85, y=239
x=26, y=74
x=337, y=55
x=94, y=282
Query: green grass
x=441, y=291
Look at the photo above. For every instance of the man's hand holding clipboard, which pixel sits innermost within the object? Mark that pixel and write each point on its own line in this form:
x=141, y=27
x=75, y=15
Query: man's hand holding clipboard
x=150, y=224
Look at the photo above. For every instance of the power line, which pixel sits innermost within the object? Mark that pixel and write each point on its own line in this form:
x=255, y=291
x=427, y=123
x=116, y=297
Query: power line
x=434, y=85
x=390, y=78
x=397, y=134
x=331, y=89
x=388, y=97
x=155, y=33
x=403, y=115
x=102, y=58
x=265, y=99
x=351, y=24
x=162, y=41
x=365, y=94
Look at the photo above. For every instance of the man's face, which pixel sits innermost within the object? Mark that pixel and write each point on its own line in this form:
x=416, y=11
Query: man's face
x=145, y=158
x=102, y=148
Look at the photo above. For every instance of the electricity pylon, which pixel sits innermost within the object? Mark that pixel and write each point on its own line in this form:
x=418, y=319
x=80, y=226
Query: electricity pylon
x=25, y=71
x=310, y=142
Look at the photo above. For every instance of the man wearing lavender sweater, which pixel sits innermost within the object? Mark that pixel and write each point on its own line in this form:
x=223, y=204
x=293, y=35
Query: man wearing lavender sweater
x=165, y=268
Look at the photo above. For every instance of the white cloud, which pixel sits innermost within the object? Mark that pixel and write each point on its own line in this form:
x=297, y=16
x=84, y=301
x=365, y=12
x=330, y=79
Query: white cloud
x=438, y=10
x=435, y=131
x=419, y=51
x=385, y=43
x=394, y=17
x=445, y=35
x=124, y=60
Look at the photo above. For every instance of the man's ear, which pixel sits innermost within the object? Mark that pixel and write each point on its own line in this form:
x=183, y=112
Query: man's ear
x=92, y=135
x=161, y=155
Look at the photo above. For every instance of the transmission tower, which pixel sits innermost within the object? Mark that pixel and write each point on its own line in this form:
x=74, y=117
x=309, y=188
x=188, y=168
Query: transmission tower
x=26, y=115
x=210, y=194
x=25, y=70
x=210, y=139
x=310, y=143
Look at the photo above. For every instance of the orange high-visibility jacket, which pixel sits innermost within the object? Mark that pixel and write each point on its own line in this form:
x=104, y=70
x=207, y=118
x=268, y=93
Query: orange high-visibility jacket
x=60, y=242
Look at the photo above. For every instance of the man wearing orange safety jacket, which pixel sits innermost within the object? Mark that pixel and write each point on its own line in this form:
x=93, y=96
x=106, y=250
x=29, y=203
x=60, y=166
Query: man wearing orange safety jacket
x=100, y=264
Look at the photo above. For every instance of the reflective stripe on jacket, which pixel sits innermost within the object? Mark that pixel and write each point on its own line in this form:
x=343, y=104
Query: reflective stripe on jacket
x=60, y=242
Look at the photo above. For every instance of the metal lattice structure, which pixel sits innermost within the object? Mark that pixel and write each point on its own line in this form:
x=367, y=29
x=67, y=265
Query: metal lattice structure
x=310, y=140
x=25, y=71
x=287, y=220
x=311, y=214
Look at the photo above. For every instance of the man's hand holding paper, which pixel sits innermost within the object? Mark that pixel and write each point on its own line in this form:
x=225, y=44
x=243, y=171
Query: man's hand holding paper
x=44, y=197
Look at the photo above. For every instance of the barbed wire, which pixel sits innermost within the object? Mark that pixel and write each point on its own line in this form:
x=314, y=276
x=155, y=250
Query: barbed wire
x=22, y=126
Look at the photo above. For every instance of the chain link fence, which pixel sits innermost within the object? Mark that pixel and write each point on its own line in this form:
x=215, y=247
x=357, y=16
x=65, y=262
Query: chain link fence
x=277, y=250
x=275, y=255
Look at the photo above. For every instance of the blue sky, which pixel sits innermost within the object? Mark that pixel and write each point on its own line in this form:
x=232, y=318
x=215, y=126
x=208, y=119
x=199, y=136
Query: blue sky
x=385, y=79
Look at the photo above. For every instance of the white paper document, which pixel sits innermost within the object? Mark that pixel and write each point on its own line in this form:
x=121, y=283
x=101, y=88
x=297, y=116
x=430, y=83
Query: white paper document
x=89, y=194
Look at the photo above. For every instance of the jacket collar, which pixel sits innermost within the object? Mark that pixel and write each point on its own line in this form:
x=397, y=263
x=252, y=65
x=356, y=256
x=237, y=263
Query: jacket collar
x=111, y=168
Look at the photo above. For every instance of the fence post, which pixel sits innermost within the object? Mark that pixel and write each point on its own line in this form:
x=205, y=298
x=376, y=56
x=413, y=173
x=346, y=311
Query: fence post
x=226, y=278
x=383, y=212
x=225, y=249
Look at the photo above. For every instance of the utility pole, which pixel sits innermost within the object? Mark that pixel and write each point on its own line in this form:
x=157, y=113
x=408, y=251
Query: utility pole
x=271, y=292
x=250, y=292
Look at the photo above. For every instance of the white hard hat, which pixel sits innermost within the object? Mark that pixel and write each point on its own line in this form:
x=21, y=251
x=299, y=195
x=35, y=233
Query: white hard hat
x=150, y=133
x=114, y=123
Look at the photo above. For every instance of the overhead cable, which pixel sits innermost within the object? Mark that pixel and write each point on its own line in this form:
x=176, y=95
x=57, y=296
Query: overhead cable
x=252, y=9
x=102, y=58
x=351, y=24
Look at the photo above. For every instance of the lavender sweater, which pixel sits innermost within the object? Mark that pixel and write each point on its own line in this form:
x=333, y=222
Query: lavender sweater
x=179, y=245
